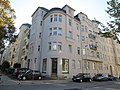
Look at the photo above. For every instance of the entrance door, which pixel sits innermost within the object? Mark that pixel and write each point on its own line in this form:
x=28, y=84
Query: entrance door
x=111, y=70
x=54, y=66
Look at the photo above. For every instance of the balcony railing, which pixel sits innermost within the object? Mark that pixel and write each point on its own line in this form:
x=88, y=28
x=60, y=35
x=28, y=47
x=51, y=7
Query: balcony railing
x=91, y=58
x=92, y=36
x=93, y=46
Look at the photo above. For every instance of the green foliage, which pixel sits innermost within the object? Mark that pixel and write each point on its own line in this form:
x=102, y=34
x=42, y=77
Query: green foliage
x=17, y=65
x=113, y=27
x=7, y=16
x=5, y=65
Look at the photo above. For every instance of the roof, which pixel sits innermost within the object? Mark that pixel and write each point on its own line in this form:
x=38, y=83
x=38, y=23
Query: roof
x=55, y=9
x=26, y=24
x=40, y=8
x=69, y=7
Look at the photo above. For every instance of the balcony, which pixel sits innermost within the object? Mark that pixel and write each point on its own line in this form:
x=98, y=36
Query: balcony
x=91, y=58
x=92, y=36
x=93, y=46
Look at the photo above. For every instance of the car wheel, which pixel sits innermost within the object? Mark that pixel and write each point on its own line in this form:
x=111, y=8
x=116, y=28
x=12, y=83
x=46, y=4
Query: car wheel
x=81, y=80
x=24, y=78
x=39, y=78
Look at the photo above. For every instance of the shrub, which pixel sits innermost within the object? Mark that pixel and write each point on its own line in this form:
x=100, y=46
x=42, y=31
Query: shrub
x=17, y=65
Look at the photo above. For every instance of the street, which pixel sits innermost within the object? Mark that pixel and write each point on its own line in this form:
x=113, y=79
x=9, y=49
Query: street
x=8, y=84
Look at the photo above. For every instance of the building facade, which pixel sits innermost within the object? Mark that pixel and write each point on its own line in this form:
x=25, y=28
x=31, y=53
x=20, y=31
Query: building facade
x=62, y=44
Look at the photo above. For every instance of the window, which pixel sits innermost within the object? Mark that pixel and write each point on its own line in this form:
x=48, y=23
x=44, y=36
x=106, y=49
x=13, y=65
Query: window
x=78, y=38
x=92, y=53
x=88, y=65
x=50, y=46
x=78, y=50
x=77, y=27
x=98, y=55
x=51, y=18
x=93, y=65
x=59, y=46
x=44, y=68
x=70, y=22
x=41, y=23
x=54, y=46
x=83, y=18
x=82, y=28
x=79, y=64
x=83, y=38
x=55, y=31
x=70, y=11
x=40, y=35
x=39, y=48
x=42, y=13
x=60, y=18
x=83, y=51
x=65, y=66
x=70, y=34
x=55, y=18
x=86, y=28
x=59, y=31
x=70, y=48
x=73, y=64
x=50, y=31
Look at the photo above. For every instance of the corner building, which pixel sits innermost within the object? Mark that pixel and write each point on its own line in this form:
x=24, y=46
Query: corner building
x=62, y=45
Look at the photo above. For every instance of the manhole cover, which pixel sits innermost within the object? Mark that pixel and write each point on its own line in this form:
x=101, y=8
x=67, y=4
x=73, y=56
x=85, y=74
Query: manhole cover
x=73, y=89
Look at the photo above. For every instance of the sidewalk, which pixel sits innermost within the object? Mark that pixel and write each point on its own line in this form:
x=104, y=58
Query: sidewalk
x=8, y=81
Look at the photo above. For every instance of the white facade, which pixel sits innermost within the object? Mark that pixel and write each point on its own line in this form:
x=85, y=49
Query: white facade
x=62, y=45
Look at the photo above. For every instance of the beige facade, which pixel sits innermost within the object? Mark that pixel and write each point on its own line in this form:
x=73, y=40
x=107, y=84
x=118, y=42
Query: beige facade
x=22, y=46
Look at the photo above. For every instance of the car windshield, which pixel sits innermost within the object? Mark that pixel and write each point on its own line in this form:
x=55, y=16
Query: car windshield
x=28, y=72
x=83, y=74
x=79, y=74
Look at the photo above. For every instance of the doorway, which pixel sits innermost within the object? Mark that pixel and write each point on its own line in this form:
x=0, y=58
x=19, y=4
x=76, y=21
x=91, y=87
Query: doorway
x=54, y=66
x=111, y=70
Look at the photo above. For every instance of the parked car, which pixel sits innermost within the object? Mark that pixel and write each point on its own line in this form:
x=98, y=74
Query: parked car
x=20, y=71
x=30, y=74
x=101, y=77
x=80, y=77
x=112, y=78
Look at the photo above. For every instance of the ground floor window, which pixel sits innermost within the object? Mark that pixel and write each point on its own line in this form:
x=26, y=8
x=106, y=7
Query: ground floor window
x=65, y=66
x=44, y=68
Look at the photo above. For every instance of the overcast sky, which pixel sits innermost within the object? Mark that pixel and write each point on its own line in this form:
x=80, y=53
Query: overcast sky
x=92, y=8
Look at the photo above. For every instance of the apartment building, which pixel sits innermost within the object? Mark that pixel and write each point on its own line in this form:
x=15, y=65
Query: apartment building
x=22, y=44
x=61, y=44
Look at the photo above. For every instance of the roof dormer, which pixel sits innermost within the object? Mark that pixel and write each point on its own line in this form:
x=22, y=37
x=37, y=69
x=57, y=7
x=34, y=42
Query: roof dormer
x=69, y=10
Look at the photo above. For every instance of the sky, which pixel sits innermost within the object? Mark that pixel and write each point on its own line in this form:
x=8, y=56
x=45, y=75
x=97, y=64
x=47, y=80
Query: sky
x=92, y=8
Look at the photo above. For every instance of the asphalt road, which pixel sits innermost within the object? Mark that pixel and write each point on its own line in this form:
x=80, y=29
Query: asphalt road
x=8, y=84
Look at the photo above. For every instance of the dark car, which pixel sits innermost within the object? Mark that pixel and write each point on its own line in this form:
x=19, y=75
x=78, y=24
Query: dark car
x=101, y=77
x=112, y=78
x=80, y=77
x=30, y=74
x=20, y=71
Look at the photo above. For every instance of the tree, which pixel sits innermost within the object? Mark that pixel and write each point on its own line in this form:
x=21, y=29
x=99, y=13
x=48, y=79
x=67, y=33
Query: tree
x=17, y=65
x=113, y=27
x=5, y=65
x=7, y=17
